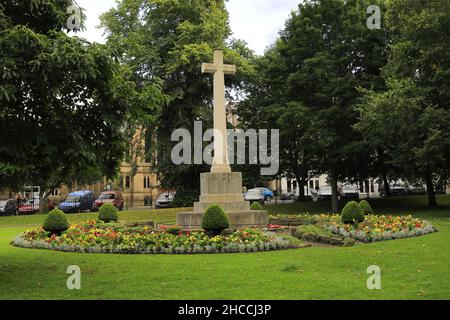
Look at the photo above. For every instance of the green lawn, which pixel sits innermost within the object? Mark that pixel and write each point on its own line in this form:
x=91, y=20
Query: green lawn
x=417, y=268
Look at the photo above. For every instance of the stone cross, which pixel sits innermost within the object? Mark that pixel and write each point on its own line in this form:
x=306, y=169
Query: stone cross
x=221, y=162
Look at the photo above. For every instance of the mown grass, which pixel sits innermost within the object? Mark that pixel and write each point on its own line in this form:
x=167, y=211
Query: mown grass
x=417, y=268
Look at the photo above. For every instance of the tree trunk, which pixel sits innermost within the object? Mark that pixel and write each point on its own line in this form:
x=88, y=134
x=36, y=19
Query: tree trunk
x=334, y=195
x=387, y=189
x=43, y=202
x=301, y=189
x=430, y=190
x=132, y=191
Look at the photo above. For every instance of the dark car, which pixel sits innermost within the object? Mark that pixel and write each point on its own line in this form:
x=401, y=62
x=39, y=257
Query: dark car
x=78, y=201
x=114, y=197
x=8, y=207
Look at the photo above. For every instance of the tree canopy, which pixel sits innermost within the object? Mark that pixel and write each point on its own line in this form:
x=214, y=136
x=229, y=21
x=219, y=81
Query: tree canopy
x=307, y=86
x=167, y=41
x=410, y=119
x=64, y=102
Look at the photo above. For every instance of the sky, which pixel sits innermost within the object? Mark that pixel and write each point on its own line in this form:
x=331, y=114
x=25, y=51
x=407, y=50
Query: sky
x=255, y=21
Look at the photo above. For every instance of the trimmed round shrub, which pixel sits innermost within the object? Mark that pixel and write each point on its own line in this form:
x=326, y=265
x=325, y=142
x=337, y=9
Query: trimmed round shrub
x=56, y=222
x=256, y=206
x=366, y=207
x=352, y=213
x=108, y=213
x=215, y=220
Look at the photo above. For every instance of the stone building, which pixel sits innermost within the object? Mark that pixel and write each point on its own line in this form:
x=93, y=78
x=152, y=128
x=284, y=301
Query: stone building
x=138, y=190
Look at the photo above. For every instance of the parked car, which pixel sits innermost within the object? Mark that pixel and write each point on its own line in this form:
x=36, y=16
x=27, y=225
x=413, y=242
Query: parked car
x=254, y=195
x=324, y=193
x=267, y=193
x=165, y=200
x=30, y=207
x=295, y=194
x=8, y=207
x=417, y=188
x=349, y=192
x=288, y=195
x=114, y=197
x=396, y=190
x=78, y=201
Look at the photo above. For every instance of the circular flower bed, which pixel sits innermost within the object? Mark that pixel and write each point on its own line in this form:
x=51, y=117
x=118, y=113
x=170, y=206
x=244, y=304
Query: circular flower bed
x=92, y=237
x=380, y=228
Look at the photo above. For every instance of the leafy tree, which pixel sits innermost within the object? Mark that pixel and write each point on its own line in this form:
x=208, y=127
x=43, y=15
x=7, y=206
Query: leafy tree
x=411, y=118
x=64, y=102
x=307, y=87
x=166, y=41
x=267, y=106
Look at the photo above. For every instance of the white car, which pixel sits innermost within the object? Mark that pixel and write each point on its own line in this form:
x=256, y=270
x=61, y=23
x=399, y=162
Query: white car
x=165, y=200
x=349, y=192
x=254, y=195
x=324, y=193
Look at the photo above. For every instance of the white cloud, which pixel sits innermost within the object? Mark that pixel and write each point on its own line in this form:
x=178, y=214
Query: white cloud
x=93, y=9
x=259, y=21
x=255, y=21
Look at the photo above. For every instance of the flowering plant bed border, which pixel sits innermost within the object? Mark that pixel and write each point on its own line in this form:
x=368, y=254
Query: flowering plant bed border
x=330, y=229
x=383, y=228
x=92, y=237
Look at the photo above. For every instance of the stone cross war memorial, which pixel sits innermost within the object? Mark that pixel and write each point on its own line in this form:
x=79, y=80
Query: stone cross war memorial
x=221, y=185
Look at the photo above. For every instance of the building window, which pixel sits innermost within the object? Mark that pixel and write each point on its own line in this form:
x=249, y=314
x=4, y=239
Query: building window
x=127, y=182
x=147, y=184
x=55, y=192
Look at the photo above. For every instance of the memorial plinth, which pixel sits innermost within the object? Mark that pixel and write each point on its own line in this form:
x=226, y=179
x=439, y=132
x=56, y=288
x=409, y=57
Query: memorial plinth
x=225, y=189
